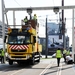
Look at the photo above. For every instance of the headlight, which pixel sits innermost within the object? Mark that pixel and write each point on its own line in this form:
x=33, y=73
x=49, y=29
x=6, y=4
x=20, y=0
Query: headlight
x=8, y=56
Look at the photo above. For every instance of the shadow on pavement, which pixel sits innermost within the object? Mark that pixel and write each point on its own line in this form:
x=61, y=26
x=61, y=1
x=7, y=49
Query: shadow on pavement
x=54, y=69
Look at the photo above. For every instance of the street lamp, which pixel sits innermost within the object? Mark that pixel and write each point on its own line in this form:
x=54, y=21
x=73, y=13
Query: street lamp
x=56, y=10
x=29, y=11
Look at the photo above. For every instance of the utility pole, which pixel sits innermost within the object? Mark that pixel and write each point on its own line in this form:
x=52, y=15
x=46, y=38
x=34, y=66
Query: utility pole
x=3, y=27
x=46, y=39
x=63, y=26
x=73, y=34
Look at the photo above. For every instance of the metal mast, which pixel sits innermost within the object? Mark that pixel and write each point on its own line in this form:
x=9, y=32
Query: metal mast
x=3, y=25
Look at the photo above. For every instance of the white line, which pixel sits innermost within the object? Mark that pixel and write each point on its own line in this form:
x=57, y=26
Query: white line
x=40, y=73
x=59, y=70
x=74, y=67
x=44, y=71
x=16, y=72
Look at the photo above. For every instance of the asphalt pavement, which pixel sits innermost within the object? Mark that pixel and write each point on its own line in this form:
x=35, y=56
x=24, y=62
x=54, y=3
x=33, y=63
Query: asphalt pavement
x=66, y=69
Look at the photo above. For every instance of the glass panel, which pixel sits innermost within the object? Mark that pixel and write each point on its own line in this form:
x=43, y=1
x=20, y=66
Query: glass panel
x=18, y=39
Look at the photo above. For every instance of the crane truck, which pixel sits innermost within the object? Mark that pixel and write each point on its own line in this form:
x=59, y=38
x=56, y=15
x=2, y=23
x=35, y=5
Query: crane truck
x=22, y=44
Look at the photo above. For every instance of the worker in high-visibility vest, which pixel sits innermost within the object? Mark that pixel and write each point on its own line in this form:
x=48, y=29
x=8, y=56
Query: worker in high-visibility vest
x=64, y=54
x=2, y=56
x=35, y=18
x=68, y=53
x=0, y=53
x=58, y=56
x=26, y=20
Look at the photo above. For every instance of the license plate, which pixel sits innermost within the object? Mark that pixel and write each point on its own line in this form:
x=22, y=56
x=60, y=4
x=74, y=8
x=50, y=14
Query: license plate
x=18, y=58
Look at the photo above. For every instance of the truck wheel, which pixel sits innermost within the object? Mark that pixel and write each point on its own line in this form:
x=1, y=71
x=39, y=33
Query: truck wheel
x=33, y=61
x=10, y=62
x=38, y=59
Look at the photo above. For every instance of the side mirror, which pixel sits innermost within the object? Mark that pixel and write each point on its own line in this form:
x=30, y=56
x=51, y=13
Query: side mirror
x=5, y=39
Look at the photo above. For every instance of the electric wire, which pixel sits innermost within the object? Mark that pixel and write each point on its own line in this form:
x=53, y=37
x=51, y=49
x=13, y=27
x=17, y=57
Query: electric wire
x=53, y=2
x=17, y=3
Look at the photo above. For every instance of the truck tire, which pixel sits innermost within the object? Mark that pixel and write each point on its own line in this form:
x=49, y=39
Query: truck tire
x=38, y=59
x=10, y=62
x=33, y=61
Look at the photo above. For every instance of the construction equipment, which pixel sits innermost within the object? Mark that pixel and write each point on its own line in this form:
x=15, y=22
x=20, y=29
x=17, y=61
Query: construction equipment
x=23, y=45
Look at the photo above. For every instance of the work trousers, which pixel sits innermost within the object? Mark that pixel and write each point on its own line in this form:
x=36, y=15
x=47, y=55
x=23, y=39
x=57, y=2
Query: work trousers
x=58, y=61
x=64, y=56
x=2, y=59
x=70, y=62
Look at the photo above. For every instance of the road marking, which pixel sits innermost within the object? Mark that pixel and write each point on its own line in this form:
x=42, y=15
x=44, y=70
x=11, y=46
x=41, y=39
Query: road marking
x=41, y=72
x=12, y=73
x=59, y=70
x=74, y=67
x=15, y=72
x=45, y=70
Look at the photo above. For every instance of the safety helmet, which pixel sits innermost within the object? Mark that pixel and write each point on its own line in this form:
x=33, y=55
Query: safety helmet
x=25, y=16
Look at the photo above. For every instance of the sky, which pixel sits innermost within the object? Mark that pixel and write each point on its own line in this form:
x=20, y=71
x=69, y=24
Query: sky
x=41, y=14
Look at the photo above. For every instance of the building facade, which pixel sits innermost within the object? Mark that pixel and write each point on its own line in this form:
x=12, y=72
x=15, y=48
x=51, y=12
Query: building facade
x=55, y=39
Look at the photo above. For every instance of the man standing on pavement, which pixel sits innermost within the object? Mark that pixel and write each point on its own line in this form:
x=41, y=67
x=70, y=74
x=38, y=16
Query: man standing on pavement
x=2, y=56
x=58, y=56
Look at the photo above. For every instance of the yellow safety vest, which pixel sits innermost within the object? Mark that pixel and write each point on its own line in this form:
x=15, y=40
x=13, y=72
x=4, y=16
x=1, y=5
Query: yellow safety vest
x=65, y=51
x=2, y=53
x=25, y=20
x=68, y=53
x=58, y=54
x=35, y=17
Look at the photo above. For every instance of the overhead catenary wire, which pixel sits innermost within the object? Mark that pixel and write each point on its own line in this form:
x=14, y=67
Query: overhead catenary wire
x=53, y=2
x=55, y=19
x=50, y=20
x=17, y=3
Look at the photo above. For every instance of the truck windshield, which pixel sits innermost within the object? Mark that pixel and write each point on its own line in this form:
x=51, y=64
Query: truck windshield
x=18, y=39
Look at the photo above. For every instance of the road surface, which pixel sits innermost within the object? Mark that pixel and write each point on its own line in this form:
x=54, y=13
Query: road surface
x=45, y=67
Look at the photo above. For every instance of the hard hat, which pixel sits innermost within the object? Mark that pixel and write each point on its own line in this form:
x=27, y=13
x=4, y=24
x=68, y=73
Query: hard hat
x=25, y=16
